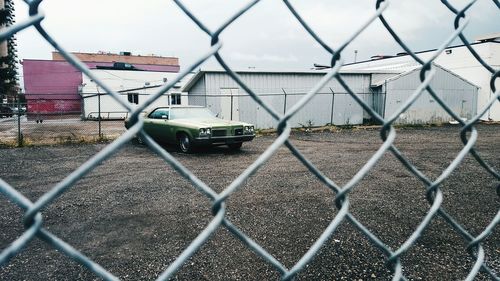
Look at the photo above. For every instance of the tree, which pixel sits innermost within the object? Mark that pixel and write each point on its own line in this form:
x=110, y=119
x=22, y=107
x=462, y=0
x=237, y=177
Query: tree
x=8, y=54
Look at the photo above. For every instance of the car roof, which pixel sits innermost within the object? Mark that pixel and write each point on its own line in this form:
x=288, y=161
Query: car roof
x=173, y=107
x=179, y=106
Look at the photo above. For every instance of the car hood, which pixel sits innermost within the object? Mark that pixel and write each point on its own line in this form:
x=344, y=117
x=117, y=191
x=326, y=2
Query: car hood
x=204, y=122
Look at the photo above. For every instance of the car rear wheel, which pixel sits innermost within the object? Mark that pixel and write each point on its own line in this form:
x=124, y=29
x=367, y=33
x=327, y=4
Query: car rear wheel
x=185, y=143
x=235, y=146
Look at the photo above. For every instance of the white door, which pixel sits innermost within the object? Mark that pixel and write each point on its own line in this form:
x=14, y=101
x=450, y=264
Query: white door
x=230, y=109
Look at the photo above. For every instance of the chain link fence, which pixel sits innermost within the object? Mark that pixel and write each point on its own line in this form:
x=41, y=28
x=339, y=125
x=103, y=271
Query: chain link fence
x=53, y=119
x=33, y=219
x=57, y=119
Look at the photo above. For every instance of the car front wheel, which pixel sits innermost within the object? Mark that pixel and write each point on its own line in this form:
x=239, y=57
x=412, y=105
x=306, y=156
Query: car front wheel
x=185, y=143
x=139, y=139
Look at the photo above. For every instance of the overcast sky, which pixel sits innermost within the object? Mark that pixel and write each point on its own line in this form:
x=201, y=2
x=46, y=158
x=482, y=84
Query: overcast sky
x=267, y=37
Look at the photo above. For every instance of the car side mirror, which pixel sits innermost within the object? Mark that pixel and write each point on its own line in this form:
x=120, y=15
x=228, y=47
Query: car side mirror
x=164, y=117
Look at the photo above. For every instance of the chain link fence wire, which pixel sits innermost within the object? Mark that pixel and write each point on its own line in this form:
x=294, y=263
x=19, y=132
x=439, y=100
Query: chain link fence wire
x=52, y=120
x=33, y=219
x=57, y=119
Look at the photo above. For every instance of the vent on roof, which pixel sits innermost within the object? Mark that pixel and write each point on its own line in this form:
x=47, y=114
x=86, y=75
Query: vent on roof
x=378, y=57
x=495, y=37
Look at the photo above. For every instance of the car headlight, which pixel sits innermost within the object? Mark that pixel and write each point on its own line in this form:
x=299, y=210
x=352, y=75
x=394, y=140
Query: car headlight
x=205, y=132
x=248, y=130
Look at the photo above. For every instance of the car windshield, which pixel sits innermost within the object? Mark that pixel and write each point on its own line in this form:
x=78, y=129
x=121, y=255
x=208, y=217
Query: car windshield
x=191, y=112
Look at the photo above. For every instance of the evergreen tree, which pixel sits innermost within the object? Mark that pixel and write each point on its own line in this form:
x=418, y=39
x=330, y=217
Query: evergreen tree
x=8, y=57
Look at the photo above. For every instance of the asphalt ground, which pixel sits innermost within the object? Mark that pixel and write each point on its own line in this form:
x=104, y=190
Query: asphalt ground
x=134, y=214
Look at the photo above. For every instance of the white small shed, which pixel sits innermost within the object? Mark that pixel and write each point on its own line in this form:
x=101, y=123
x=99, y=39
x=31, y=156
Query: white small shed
x=133, y=86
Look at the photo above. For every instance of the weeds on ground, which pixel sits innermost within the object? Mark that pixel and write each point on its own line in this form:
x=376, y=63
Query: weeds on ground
x=308, y=126
x=59, y=140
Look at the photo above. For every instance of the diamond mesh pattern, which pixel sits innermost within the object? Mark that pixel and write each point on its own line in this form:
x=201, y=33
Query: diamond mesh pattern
x=33, y=217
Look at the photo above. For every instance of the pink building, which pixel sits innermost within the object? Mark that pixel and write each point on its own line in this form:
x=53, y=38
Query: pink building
x=51, y=86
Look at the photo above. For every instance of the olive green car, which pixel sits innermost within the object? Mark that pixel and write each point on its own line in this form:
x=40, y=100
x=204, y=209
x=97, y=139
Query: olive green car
x=189, y=126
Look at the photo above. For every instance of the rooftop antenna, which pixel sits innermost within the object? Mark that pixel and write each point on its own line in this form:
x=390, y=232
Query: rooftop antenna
x=355, y=56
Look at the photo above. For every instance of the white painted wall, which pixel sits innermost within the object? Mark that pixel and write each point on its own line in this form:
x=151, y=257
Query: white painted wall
x=120, y=80
x=461, y=62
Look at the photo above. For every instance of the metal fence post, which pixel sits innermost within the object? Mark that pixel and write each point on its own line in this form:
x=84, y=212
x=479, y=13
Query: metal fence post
x=231, y=104
x=99, y=113
x=333, y=103
x=19, y=134
x=284, y=102
x=385, y=99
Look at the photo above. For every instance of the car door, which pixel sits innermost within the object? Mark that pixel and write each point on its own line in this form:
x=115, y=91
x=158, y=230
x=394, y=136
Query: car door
x=156, y=124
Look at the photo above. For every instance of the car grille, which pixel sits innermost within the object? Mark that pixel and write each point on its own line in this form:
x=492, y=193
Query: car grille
x=219, y=133
x=238, y=132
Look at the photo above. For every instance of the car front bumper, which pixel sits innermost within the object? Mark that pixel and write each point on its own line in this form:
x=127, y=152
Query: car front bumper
x=223, y=140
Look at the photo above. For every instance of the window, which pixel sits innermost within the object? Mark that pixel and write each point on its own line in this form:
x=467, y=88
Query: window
x=133, y=98
x=175, y=99
x=160, y=113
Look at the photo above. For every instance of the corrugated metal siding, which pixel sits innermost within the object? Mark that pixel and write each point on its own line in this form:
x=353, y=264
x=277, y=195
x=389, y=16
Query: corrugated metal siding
x=51, y=80
x=271, y=86
x=197, y=93
x=455, y=92
x=317, y=111
x=251, y=112
x=347, y=111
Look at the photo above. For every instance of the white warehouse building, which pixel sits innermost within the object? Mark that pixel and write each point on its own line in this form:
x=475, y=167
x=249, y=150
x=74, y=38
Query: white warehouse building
x=384, y=91
x=458, y=60
x=133, y=86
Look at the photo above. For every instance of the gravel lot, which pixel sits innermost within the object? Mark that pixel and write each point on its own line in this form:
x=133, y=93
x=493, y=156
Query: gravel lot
x=134, y=215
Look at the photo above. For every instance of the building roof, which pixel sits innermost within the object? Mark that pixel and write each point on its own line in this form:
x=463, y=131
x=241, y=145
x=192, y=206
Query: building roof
x=122, y=57
x=201, y=73
x=94, y=64
x=418, y=68
x=494, y=37
x=482, y=40
x=393, y=73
